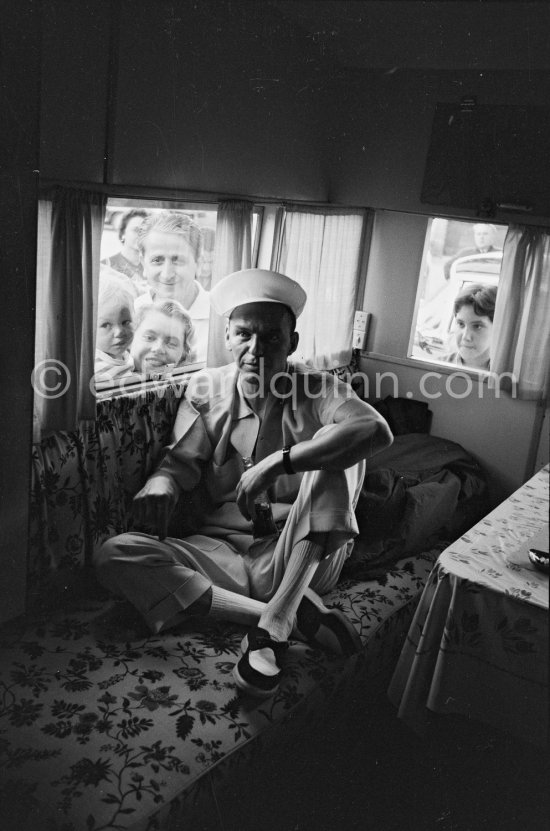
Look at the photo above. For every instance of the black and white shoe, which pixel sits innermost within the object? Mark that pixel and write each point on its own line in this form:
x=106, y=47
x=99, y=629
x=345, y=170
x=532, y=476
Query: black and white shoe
x=261, y=683
x=326, y=627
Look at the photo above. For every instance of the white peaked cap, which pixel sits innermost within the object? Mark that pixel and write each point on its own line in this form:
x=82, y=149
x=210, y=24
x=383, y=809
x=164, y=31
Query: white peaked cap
x=256, y=285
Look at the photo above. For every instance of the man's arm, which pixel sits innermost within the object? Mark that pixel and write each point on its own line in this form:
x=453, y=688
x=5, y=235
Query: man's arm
x=359, y=432
x=179, y=470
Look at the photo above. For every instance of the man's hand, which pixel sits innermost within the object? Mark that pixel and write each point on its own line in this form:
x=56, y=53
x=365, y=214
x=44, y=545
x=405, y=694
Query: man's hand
x=154, y=504
x=255, y=480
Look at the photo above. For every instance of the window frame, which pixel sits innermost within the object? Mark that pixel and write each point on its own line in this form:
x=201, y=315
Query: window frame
x=447, y=367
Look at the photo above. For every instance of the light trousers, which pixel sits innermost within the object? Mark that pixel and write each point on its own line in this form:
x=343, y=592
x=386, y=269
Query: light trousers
x=163, y=578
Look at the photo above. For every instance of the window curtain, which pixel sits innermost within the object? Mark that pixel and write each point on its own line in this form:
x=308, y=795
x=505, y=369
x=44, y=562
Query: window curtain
x=321, y=250
x=233, y=252
x=70, y=223
x=521, y=329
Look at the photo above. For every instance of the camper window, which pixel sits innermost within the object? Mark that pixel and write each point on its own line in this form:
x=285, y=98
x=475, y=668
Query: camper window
x=153, y=310
x=457, y=290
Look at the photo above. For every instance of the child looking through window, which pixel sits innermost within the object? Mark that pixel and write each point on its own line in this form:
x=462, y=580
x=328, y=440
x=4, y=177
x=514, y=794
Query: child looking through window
x=114, y=332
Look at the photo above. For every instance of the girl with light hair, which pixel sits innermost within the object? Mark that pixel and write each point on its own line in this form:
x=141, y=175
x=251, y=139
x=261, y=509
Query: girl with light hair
x=114, y=330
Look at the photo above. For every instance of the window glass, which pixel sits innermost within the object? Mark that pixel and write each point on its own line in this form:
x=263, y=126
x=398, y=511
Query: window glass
x=153, y=307
x=457, y=292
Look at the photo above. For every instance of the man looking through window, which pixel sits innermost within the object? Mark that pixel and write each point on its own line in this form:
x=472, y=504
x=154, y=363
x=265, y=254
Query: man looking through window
x=484, y=237
x=170, y=245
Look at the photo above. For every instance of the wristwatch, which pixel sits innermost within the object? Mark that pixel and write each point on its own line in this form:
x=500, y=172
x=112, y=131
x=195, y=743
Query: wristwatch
x=287, y=464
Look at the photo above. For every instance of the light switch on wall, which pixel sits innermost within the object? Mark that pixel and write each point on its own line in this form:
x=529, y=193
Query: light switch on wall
x=361, y=320
x=361, y=323
x=359, y=339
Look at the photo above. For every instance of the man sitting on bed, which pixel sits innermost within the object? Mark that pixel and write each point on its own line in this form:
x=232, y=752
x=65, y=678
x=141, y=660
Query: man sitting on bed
x=308, y=434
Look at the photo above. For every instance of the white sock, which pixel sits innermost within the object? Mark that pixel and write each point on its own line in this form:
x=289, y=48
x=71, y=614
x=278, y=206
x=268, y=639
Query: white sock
x=235, y=608
x=238, y=608
x=263, y=660
x=279, y=614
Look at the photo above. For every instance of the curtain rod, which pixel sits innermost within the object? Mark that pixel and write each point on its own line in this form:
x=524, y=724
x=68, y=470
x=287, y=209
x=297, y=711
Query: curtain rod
x=144, y=192
x=140, y=191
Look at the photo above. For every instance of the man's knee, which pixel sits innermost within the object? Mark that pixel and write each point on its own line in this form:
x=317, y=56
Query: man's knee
x=106, y=551
x=106, y=559
x=335, y=487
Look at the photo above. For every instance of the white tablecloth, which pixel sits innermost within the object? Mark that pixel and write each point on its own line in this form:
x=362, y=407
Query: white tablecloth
x=478, y=644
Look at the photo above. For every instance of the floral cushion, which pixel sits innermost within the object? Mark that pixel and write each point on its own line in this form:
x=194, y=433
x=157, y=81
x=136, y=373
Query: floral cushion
x=83, y=482
x=117, y=729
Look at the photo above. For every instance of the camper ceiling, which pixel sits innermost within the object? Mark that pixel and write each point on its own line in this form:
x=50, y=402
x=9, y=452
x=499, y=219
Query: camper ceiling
x=437, y=34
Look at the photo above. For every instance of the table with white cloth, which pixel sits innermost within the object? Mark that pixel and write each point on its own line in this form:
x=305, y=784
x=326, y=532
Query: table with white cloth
x=478, y=643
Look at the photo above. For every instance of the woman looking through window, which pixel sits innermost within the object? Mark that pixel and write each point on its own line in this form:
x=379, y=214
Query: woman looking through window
x=474, y=311
x=127, y=261
x=163, y=338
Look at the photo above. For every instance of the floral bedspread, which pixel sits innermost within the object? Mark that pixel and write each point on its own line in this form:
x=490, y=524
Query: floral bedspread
x=105, y=727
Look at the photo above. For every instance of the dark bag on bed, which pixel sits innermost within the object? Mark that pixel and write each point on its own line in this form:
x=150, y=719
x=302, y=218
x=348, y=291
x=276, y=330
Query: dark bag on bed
x=405, y=415
x=420, y=491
